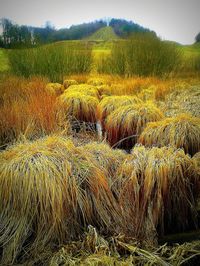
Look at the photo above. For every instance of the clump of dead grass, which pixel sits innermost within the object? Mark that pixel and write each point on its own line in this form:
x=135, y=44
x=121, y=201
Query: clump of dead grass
x=49, y=191
x=124, y=125
x=182, y=131
x=157, y=190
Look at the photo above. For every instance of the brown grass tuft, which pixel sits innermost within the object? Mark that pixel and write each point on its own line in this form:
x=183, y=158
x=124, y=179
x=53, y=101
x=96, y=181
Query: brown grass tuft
x=49, y=191
x=182, y=131
x=125, y=124
x=157, y=190
x=111, y=103
x=80, y=106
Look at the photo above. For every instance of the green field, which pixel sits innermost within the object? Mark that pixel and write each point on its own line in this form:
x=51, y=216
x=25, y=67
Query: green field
x=3, y=61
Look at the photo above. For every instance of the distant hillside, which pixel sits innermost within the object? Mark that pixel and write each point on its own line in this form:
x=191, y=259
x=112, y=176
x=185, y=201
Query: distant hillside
x=103, y=34
x=14, y=36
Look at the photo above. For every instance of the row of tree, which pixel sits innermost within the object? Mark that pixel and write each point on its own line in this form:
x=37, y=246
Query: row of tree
x=15, y=36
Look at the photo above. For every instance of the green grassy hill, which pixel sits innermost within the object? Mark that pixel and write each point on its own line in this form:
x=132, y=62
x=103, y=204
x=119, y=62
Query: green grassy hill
x=103, y=34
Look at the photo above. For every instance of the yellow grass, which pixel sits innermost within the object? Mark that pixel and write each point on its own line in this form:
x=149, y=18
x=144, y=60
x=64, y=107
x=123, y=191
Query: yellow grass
x=49, y=191
x=157, y=190
x=80, y=106
x=108, y=104
x=182, y=131
x=124, y=125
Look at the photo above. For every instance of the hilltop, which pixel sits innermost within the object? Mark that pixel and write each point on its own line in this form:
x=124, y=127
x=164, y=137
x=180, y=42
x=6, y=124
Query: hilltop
x=104, y=34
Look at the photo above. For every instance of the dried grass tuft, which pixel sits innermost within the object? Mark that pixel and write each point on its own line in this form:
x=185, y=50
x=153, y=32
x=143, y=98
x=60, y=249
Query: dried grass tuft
x=124, y=125
x=182, y=131
x=108, y=104
x=85, y=89
x=80, y=106
x=49, y=191
x=69, y=82
x=157, y=190
x=55, y=88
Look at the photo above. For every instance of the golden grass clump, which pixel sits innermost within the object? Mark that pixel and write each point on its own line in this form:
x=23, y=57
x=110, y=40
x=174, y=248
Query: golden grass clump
x=49, y=191
x=69, y=82
x=80, y=106
x=157, y=190
x=182, y=131
x=108, y=104
x=97, y=81
x=108, y=159
x=55, y=88
x=196, y=158
x=124, y=125
x=84, y=89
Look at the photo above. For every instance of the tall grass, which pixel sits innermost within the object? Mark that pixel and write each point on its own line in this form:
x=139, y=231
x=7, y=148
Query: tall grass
x=53, y=61
x=143, y=55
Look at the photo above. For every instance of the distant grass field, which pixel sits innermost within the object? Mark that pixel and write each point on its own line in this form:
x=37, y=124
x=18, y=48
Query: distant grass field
x=4, y=66
x=105, y=34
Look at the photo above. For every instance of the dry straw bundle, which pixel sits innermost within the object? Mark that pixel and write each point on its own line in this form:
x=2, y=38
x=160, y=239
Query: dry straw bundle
x=157, y=189
x=49, y=191
x=125, y=124
x=182, y=131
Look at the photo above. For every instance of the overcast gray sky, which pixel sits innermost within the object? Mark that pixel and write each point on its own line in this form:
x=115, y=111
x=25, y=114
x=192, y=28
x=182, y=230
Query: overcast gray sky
x=177, y=20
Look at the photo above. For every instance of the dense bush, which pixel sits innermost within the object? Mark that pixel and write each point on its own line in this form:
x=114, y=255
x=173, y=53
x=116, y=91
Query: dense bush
x=143, y=54
x=52, y=61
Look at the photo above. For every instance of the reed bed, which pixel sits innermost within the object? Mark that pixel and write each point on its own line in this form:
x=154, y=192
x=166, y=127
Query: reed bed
x=182, y=131
x=49, y=191
x=53, y=61
x=124, y=125
x=157, y=190
x=28, y=110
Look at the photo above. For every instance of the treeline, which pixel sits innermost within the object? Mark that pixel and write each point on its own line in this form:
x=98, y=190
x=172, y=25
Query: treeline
x=15, y=36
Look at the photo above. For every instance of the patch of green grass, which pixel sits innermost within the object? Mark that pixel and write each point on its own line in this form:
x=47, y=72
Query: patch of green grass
x=105, y=34
x=4, y=65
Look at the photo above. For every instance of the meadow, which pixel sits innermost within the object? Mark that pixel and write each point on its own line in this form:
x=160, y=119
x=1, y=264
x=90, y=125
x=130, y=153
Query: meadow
x=100, y=153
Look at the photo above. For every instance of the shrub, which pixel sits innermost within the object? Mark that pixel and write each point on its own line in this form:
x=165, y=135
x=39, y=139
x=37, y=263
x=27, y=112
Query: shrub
x=182, y=131
x=124, y=125
x=53, y=61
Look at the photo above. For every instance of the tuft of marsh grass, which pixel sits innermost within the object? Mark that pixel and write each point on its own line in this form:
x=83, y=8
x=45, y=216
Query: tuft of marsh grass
x=157, y=190
x=124, y=125
x=49, y=192
x=182, y=131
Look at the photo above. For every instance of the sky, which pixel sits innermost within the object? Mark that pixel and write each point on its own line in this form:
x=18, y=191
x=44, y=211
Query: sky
x=175, y=20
